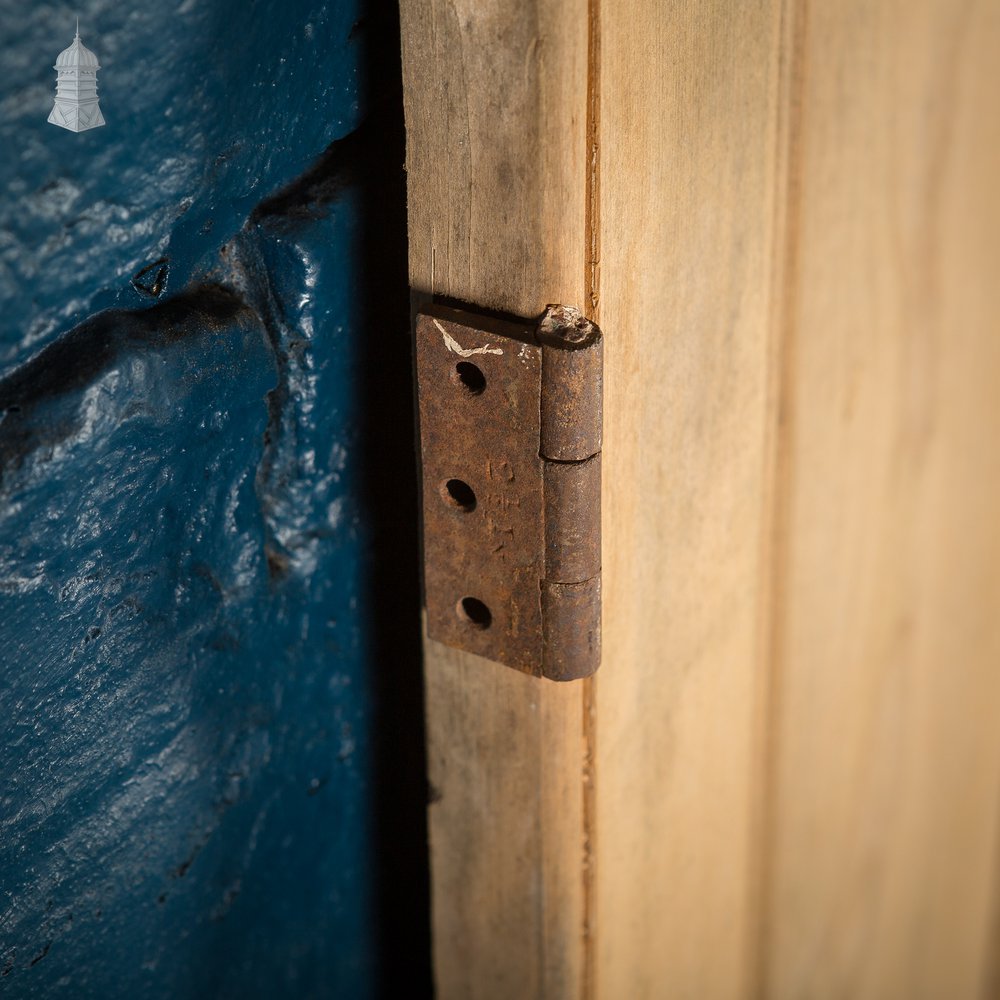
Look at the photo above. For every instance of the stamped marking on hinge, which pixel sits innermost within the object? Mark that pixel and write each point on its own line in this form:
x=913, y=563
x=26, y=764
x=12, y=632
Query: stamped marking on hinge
x=511, y=453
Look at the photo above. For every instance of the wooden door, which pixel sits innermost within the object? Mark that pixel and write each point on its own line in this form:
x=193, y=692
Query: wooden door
x=783, y=781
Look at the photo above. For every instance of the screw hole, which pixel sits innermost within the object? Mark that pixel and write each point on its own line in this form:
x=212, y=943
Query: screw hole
x=471, y=377
x=474, y=612
x=457, y=493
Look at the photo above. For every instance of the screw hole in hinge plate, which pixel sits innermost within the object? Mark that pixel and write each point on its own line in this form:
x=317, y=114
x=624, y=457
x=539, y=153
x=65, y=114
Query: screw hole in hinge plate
x=475, y=613
x=459, y=494
x=470, y=377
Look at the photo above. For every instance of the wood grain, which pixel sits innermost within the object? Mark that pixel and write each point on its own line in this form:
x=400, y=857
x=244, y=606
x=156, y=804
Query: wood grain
x=785, y=779
x=495, y=113
x=494, y=102
x=505, y=754
x=688, y=146
x=887, y=628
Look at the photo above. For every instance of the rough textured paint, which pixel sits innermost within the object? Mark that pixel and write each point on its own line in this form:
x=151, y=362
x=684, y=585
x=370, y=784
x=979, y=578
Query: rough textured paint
x=212, y=779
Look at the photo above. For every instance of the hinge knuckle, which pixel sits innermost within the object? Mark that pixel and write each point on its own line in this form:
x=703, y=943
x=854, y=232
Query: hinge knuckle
x=572, y=520
x=571, y=620
x=572, y=385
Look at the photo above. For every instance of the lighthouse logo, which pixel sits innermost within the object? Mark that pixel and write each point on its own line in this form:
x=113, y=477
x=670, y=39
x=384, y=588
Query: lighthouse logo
x=76, y=106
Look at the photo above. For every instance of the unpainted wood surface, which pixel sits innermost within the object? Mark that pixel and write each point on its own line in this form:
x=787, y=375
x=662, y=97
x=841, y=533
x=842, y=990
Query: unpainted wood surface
x=495, y=111
x=495, y=161
x=886, y=755
x=785, y=779
x=688, y=143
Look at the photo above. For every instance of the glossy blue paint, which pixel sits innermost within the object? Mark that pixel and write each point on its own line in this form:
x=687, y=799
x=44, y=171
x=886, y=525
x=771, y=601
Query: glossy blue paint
x=208, y=632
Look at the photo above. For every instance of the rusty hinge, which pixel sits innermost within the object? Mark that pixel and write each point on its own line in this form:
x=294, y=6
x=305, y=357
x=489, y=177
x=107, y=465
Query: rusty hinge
x=510, y=432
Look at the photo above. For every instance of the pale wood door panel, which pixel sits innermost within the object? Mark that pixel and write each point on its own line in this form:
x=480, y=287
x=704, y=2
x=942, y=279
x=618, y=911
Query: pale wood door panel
x=783, y=782
x=689, y=189
x=886, y=760
x=495, y=101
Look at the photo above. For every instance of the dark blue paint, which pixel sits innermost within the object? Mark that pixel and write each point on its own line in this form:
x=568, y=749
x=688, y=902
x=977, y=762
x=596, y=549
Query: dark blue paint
x=211, y=106
x=209, y=693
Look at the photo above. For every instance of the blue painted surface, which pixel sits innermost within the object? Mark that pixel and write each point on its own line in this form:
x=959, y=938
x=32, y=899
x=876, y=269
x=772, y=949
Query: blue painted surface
x=208, y=632
x=211, y=105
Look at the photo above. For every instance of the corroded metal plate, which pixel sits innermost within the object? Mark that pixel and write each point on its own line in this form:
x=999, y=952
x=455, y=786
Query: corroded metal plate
x=479, y=390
